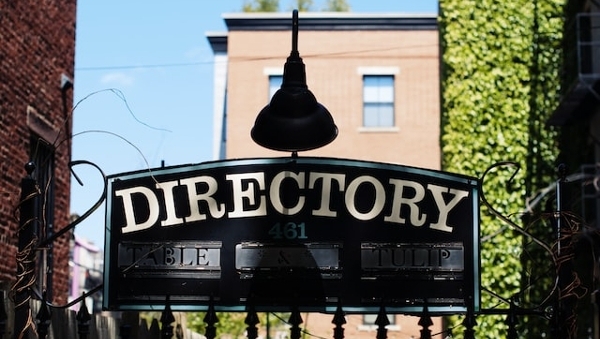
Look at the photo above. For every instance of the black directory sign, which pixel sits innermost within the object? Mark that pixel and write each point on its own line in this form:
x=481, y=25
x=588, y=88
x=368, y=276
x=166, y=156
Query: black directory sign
x=312, y=233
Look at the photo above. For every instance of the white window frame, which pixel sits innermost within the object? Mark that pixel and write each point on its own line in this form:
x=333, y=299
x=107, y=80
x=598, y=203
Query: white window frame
x=379, y=71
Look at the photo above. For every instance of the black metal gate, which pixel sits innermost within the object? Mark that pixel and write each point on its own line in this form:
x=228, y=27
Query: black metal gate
x=557, y=309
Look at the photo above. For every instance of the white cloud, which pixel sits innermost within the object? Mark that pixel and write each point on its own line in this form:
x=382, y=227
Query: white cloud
x=117, y=78
x=198, y=53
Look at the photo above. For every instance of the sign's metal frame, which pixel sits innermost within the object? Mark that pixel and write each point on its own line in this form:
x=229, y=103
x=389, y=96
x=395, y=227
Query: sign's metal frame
x=308, y=232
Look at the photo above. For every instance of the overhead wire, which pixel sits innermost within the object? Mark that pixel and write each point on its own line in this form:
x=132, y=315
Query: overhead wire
x=349, y=53
x=246, y=59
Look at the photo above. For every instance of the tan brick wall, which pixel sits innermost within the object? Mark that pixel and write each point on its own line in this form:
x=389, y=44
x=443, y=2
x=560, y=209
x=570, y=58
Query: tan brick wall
x=332, y=60
x=37, y=44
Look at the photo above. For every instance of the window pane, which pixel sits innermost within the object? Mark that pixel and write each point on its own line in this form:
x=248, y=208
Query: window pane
x=370, y=115
x=371, y=94
x=274, y=84
x=370, y=88
x=386, y=94
x=386, y=115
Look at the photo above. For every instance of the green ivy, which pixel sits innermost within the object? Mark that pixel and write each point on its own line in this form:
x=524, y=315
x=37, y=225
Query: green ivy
x=500, y=62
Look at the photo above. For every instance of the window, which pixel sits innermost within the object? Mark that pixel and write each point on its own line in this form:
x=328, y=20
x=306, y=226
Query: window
x=369, y=319
x=274, y=84
x=378, y=100
x=368, y=323
x=42, y=155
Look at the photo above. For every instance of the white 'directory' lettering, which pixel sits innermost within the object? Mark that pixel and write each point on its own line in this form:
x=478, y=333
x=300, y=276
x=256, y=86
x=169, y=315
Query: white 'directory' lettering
x=325, y=210
x=131, y=224
x=378, y=202
x=215, y=209
x=416, y=217
x=241, y=196
x=275, y=192
x=444, y=207
x=251, y=195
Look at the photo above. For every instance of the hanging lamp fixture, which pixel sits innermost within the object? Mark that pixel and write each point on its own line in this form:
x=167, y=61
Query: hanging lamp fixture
x=294, y=120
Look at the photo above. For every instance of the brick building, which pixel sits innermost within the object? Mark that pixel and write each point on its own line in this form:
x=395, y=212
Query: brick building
x=37, y=44
x=378, y=75
x=392, y=58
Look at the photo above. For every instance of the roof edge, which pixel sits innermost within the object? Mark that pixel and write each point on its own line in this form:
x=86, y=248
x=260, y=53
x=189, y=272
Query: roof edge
x=331, y=21
x=217, y=41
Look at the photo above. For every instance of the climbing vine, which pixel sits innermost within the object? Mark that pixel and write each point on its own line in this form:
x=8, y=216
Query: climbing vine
x=500, y=66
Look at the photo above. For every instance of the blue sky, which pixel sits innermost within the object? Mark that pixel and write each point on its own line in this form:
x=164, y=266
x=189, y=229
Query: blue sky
x=143, y=86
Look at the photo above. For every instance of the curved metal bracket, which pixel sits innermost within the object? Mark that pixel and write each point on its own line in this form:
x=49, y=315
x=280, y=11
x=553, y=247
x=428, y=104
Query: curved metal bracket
x=91, y=210
x=72, y=302
x=516, y=227
x=69, y=227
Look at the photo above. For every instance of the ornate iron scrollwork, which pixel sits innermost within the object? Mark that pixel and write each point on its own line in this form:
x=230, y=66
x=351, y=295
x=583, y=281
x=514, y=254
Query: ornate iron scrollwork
x=25, y=286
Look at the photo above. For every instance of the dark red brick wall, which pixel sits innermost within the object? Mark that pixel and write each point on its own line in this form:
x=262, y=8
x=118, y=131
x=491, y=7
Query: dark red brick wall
x=37, y=46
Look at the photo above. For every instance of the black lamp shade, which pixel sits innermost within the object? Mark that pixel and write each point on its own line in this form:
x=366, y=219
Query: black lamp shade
x=294, y=120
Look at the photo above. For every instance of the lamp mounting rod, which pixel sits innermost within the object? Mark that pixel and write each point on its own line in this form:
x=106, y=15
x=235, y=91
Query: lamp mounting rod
x=295, y=30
